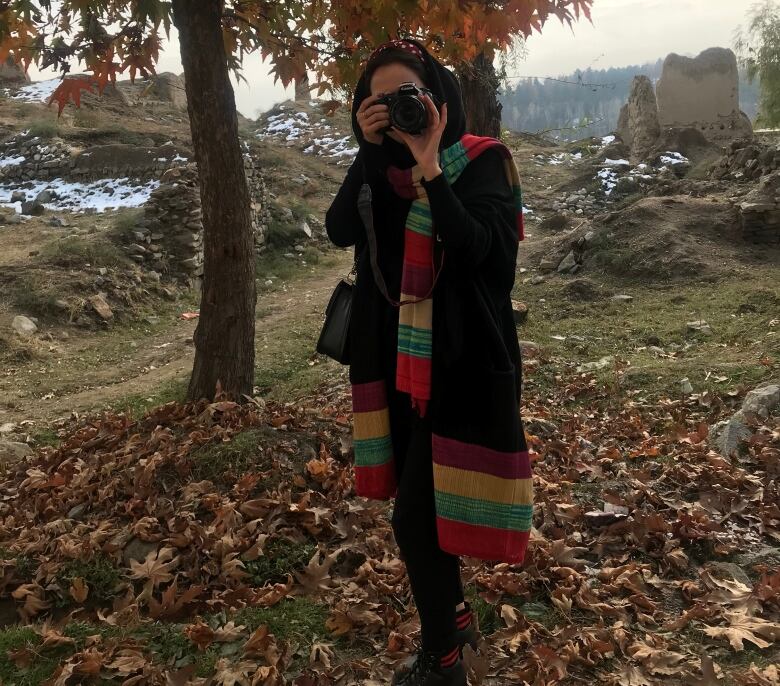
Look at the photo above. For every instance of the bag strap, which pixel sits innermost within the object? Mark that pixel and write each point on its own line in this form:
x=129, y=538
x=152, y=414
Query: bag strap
x=367, y=215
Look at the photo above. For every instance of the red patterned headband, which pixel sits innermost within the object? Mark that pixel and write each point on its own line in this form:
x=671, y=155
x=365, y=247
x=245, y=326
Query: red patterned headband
x=400, y=44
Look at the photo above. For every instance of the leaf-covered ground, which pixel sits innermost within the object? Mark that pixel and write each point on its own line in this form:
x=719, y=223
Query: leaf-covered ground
x=223, y=544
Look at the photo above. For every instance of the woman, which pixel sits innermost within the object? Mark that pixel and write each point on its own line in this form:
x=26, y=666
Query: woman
x=436, y=380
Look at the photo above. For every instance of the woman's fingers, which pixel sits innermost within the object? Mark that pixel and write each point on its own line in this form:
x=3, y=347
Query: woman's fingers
x=443, y=122
x=433, y=113
x=367, y=102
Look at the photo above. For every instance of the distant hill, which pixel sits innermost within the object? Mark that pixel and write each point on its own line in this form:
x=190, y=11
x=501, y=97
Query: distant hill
x=540, y=105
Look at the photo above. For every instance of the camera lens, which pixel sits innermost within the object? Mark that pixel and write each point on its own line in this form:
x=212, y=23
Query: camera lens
x=408, y=114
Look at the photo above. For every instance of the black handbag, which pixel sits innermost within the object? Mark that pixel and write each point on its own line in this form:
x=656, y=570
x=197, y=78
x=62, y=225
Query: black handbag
x=334, y=337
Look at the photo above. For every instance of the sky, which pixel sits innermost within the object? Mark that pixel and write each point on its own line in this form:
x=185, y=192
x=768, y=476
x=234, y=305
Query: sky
x=624, y=32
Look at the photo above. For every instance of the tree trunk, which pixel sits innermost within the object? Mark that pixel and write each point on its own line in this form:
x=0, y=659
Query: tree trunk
x=225, y=336
x=479, y=84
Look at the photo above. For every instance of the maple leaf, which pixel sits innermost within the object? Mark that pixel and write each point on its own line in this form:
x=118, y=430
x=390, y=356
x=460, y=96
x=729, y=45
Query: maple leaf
x=745, y=628
x=656, y=660
x=315, y=577
x=201, y=634
x=156, y=567
x=70, y=89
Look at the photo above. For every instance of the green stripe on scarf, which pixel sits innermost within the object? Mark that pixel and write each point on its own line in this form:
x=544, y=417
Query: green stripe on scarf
x=373, y=451
x=483, y=512
x=414, y=341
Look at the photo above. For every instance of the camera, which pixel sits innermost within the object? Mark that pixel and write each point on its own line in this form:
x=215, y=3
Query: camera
x=407, y=110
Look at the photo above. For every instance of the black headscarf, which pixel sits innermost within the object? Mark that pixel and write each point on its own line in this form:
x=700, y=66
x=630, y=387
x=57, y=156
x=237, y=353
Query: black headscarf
x=442, y=82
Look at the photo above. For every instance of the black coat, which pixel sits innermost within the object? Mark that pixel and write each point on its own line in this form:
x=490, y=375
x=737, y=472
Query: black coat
x=474, y=334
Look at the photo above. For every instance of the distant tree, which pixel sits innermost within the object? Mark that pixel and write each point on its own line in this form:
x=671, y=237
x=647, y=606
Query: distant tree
x=758, y=50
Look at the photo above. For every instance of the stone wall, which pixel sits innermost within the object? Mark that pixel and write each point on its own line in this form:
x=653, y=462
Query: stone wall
x=702, y=92
x=747, y=159
x=48, y=159
x=169, y=237
x=760, y=211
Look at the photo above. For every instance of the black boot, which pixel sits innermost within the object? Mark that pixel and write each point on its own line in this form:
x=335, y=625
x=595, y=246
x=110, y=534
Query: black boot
x=428, y=669
x=466, y=633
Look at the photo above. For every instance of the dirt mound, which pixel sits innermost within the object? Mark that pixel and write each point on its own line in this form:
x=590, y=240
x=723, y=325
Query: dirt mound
x=661, y=238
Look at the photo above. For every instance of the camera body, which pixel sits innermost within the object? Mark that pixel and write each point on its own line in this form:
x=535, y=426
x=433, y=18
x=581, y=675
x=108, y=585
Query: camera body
x=407, y=110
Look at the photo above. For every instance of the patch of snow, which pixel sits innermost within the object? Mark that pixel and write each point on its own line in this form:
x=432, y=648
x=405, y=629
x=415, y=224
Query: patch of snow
x=606, y=140
x=77, y=197
x=673, y=158
x=11, y=161
x=617, y=163
x=179, y=158
x=37, y=92
x=527, y=210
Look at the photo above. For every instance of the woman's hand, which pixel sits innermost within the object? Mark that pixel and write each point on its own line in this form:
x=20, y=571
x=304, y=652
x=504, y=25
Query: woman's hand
x=373, y=118
x=425, y=146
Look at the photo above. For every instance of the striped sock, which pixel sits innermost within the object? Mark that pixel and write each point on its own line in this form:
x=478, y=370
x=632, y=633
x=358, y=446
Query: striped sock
x=463, y=618
x=447, y=660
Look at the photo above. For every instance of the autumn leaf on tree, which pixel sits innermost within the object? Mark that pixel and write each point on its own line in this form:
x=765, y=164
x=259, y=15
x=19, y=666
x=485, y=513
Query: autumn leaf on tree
x=70, y=89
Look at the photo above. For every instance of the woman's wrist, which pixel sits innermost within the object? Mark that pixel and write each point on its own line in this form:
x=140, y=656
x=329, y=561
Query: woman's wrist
x=431, y=172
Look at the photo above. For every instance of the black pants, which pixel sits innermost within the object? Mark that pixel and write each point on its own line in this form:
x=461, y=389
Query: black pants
x=433, y=574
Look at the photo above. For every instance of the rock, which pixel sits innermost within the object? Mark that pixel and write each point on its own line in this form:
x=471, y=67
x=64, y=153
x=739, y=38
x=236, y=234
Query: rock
x=100, y=306
x=13, y=219
x=303, y=226
x=727, y=436
x=621, y=298
x=536, y=279
x=626, y=185
x=11, y=72
x=33, y=207
x=46, y=196
x=170, y=87
x=58, y=222
x=519, y=311
x=762, y=401
x=603, y=363
x=136, y=550
x=685, y=386
x=548, y=265
x=18, y=196
x=12, y=453
x=540, y=427
x=23, y=325
x=700, y=326
x=726, y=571
x=567, y=263
x=78, y=511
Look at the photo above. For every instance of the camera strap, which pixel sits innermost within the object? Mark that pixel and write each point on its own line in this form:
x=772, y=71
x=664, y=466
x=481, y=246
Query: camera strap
x=367, y=215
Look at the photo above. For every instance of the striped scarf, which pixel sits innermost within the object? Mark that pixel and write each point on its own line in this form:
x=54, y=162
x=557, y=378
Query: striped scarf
x=414, y=320
x=374, y=466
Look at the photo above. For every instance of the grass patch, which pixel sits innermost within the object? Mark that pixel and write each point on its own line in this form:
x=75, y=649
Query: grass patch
x=300, y=621
x=138, y=405
x=44, y=128
x=15, y=639
x=230, y=459
x=46, y=437
x=75, y=253
x=99, y=573
x=741, y=350
x=281, y=557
